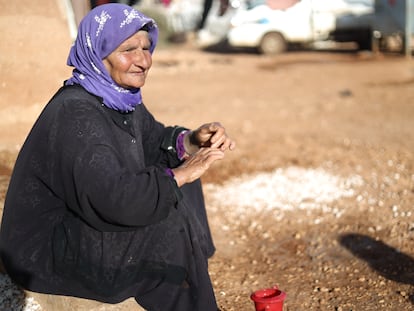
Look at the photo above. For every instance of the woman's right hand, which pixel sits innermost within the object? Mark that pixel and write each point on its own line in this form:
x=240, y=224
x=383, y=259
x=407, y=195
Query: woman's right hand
x=196, y=165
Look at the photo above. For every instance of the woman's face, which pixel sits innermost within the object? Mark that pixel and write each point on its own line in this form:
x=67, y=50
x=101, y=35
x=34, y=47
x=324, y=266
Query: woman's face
x=129, y=63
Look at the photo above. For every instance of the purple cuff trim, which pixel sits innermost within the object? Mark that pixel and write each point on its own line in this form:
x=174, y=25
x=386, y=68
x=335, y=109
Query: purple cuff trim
x=179, y=145
x=169, y=172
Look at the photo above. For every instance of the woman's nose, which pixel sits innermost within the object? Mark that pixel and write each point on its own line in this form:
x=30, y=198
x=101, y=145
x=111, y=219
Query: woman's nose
x=143, y=58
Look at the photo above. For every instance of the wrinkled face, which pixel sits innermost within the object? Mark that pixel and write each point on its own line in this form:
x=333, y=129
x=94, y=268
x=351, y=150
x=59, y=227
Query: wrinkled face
x=129, y=63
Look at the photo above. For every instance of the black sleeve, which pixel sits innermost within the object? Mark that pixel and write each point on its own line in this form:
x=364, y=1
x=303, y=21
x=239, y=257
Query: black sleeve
x=108, y=193
x=107, y=188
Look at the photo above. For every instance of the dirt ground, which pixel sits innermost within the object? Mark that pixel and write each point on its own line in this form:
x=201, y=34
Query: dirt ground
x=345, y=113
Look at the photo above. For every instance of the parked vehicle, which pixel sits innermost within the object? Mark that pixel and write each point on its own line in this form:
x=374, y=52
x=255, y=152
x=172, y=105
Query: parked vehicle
x=305, y=22
x=393, y=25
x=271, y=26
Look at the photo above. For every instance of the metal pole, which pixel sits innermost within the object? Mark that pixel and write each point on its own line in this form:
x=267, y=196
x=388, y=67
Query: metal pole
x=70, y=15
x=408, y=21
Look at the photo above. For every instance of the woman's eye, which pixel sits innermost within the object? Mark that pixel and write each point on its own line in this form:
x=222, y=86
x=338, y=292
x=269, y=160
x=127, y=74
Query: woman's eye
x=132, y=49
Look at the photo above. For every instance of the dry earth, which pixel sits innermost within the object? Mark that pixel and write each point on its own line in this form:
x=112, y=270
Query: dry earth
x=318, y=197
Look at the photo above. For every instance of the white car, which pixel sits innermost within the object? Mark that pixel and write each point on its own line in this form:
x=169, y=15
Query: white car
x=271, y=30
x=255, y=24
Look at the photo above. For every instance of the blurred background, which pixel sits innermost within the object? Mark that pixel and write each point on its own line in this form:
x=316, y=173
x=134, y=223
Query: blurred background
x=318, y=196
x=272, y=26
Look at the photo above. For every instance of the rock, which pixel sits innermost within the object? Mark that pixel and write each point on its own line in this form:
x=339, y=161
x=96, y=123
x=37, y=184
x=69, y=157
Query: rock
x=63, y=303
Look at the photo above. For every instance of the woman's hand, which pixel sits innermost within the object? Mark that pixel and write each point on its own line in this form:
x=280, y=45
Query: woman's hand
x=203, y=146
x=196, y=165
x=211, y=135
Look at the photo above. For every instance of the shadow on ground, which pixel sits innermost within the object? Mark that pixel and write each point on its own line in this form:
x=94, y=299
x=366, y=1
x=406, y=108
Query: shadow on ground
x=387, y=261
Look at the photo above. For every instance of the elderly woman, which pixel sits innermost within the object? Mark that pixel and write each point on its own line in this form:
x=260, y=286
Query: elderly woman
x=105, y=202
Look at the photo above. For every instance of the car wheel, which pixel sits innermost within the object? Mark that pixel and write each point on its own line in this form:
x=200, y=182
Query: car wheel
x=272, y=43
x=364, y=40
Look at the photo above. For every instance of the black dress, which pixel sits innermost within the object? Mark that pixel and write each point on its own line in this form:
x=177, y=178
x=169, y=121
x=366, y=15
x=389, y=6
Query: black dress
x=90, y=211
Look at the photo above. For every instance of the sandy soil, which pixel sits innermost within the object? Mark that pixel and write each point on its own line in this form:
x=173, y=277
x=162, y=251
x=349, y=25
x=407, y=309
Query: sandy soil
x=329, y=135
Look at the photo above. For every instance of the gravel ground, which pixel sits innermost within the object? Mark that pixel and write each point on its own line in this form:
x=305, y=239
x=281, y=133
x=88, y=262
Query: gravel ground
x=13, y=298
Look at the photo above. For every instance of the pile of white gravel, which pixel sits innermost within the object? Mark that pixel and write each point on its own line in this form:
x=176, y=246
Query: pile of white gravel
x=284, y=189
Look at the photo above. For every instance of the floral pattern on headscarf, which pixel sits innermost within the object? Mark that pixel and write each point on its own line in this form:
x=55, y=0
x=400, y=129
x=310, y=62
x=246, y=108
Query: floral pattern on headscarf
x=100, y=32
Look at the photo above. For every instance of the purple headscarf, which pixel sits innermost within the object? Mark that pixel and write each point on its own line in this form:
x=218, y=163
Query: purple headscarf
x=100, y=32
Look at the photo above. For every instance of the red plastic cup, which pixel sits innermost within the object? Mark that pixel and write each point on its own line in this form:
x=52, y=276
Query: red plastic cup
x=269, y=299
